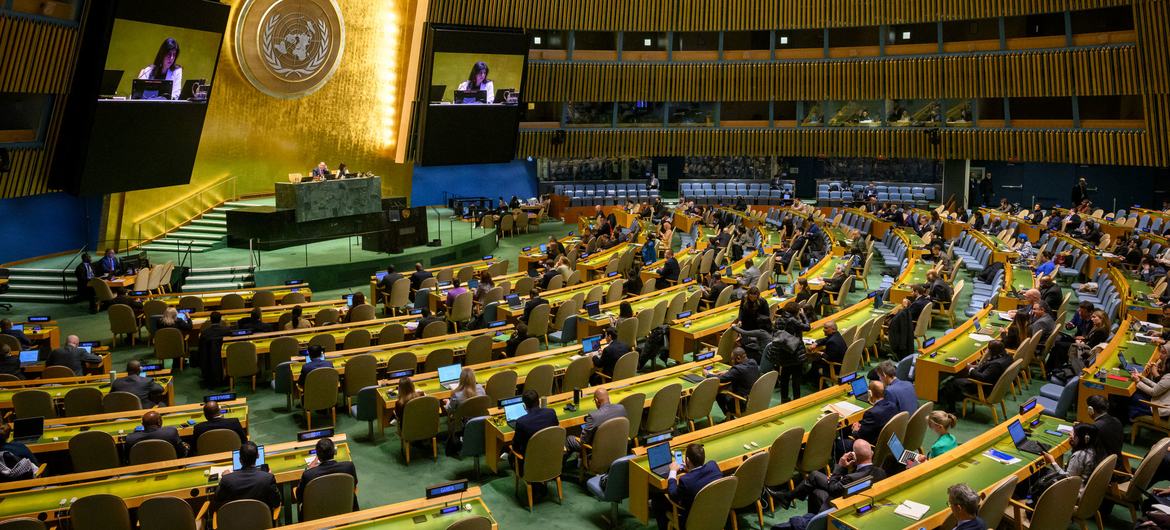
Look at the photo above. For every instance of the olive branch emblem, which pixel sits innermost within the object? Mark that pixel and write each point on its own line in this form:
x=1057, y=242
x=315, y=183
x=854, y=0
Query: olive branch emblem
x=315, y=62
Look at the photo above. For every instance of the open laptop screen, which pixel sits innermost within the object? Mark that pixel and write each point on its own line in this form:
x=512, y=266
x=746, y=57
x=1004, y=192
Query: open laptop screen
x=658, y=455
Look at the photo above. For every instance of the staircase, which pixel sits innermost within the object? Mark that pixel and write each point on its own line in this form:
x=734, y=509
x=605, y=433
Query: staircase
x=219, y=278
x=39, y=285
x=208, y=232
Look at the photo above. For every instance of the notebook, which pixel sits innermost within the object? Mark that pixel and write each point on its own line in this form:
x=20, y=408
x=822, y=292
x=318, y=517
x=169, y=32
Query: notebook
x=25, y=430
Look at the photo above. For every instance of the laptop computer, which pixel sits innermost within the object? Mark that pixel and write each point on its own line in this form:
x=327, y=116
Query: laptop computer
x=1021, y=441
x=449, y=375
x=18, y=327
x=590, y=344
x=901, y=454
x=110, y=81
x=514, y=301
x=593, y=308
x=1127, y=365
x=25, y=430
x=435, y=94
x=236, y=465
x=659, y=458
x=543, y=248
x=859, y=388
x=29, y=357
x=513, y=412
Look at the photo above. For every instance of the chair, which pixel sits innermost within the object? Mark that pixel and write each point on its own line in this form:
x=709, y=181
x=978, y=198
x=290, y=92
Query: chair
x=478, y=351
x=1129, y=488
x=324, y=340
x=1089, y=505
x=93, y=451
x=726, y=344
x=663, y=413
x=540, y=379
x=151, y=451
x=1051, y=509
x=850, y=363
x=362, y=313
x=923, y=324
x=231, y=301
x=819, y=445
x=759, y=397
x=100, y=512
x=473, y=440
x=610, y=440
x=241, y=363
x=33, y=403
x=391, y=333
x=292, y=299
x=83, y=401
x=785, y=452
x=326, y=496
x=528, y=346
x=123, y=322
x=916, y=427
x=615, y=489
x=467, y=409
x=542, y=461
x=710, y=508
x=121, y=402
x=57, y=372
x=217, y=441
x=360, y=371
x=895, y=427
x=23, y=523
x=102, y=291
x=169, y=343
x=995, y=395
x=169, y=513
x=358, y=338
x=434, y=329
x=699, y=403
x=399, y=297
x=320, y=394
x=437, y=358
x=263, y=299
x=538, y=322
x=501, y=385
x=992, y=508
x=750, y=482
x=634, y=404
x=328, y=315
x=281, y=350
x=244, y=514
x=420, y=421
x=460, y=310
x=475, y=522
x=626, y=366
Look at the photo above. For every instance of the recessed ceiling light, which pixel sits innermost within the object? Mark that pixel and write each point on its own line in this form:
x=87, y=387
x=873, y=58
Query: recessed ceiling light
x=783, y=40
x=646, y=42
x=905, y=35
x=536, y=40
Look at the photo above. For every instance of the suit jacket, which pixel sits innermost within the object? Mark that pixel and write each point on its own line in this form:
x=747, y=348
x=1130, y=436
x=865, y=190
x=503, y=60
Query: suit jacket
x=874, y=419
x=610, y=355
x=684, y=489
x=1044, y=324
x=532, y=422
x=20, y=337
x=916, y=307
x=901, y=394
x=322, y=469
x=835, y=347
x=599, y=416
x=989, y=370
x=143, y=387
x=1052, y=297
x=741, y=377
x=669, y=270
x=530, y=305
x=548, y=276
x=417, y=278
x=248, y=483
x=842, y=477
x=753, y=317
x=257, y=326
x=231, y=424
x=83, y=276
x=109, y=265
x=387, y=282
x=313, y=365
x=972, y=524
x=166, y=434
x=72, y=358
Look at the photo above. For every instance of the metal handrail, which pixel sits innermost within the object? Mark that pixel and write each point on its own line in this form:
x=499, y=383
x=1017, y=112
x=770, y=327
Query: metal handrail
x=202, y=208
x=67, y=268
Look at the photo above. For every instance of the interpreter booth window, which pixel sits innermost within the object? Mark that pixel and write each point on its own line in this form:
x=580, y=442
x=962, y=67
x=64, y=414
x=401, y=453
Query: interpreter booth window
x=911, y=39
x=990, y=112
x=855, y=42
x=959, y=113
x=1034, y=31
x=692, y=114
x=594, y=46
x=855, y=113
x=541, y=115
x=784, y=113
x=579, y=114
x=548, y=45
x=644, y=46
x=1095, y=27
x=23, y=117
x=640, y=114
x=743, y=114
x=913, y=113
x=800, y=44
x=1111, y=112
x=1052, y=112
x=746, y=45
x=814, y=114
x=695, y=46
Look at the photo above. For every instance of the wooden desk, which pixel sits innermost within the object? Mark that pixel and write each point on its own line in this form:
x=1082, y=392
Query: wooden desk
x=1018, y=278
x=730, y=273
x=497, y=433
x=1107, y=377
x=554, y=298
x=58, y=431
x=913, y=274
x=595, y=263
x=57, y=388
x=847, y=318
x=99, y=369
x=417, y=514
x=120, y=281
x=48, y=334
x=954, y=351
x=687, y=334
x=263, y=341
x=650, y=270
x=437, y=297
x=270, y=314
x=212, y=299
x=587, y=325
x=724, y=442
x=185, y=478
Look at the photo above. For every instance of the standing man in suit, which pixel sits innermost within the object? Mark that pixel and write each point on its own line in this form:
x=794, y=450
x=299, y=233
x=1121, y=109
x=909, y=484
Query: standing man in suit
x=85, y=272
x=214, y=419
x=537, y=418
x=605, y=411
x=670, y=269
x=249, y=482
x=534, y=300
x=152, y=429
x=208, y=357
x=147, y=390
x=72, y=356
x=819, y=488
x=110, y=264
x=879, y=414
x=900, y=393
x=316, y=360
x=325, y=464
x=608, y=357
x=417, y=277
x=740, y=377
x=6, y=329
x=964, y=503
x=682, y=489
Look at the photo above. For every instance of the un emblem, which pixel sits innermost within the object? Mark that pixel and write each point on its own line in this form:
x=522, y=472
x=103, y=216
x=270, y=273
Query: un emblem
x=289, y=48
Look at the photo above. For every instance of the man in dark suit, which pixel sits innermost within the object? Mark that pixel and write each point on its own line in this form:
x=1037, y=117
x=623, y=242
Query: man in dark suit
x=879, y=414
x=316, y=360
x=254, y=322
x=386, y=284
x=427, y=318
x=1042, y=321
x=534, y=300
x=418, y=276
x=550, y=272
x=216, y=420
x=919, y=302
x=208, y=357
x=832, y=348
x=72, y=356
x=608, y=357
x=1050, y=294
x=110, y=265
x=683, y=489
x=6, y=329
x=133, y=382
x=536, y=419
x=248, y=482
x=739, y=379
x=10, y=362
x=819, y=488
x=152, y=429
x=324, y=464
x=964, y=503
x=989, y=369
x=605, y=411
x=85, y=272
x=670, y=269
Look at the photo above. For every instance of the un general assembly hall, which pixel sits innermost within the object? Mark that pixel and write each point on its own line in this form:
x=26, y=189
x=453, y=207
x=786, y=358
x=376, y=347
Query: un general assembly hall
x=585, y=264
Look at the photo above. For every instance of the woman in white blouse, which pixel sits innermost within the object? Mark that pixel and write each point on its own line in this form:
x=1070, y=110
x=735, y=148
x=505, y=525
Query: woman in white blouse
x=166, y=66
x=478, y=80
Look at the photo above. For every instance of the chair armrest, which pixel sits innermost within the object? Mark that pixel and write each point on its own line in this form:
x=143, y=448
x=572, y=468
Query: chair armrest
x=735, y=396
x=1155, y=410
x=40, y=470
x=202, y=512
x=276, y=514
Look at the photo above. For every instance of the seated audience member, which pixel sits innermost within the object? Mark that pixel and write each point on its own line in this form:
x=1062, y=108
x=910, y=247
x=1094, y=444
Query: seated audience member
x=1050, y=294
x=456, y=289
x=1071, y=355
x=465, y=390
x=386, y=284
x=170, y=319
x=6, y=329
x=358, y=299
x=987, y=371
x=72, y=356
x=297, y=320
x=14, y=447
x=215, y=419
x=149, y=392
x=608, y=357
x=682, y=490
x=670, y=269
x=325, y=463
x=1047, y=265
x=1153, y=386
x=152, y=429
x=519, y=333
x=10, y=362
x=1042, y=321
x=605, y=410
x=900, y=392
x=1109, y=429
x=940, y=291
x=254, y=322
x=533, y=421
x=820, y=488
x=940, y=423
x=406, y=393
x=120, y=297
x=877, y=416
x=739, y=379
x=964, y=504
x=418, y=276
x=248, y=482
x=830, y=348
x=316, y=359
x=1086, y=451
x=550, y=272
x=534, y=300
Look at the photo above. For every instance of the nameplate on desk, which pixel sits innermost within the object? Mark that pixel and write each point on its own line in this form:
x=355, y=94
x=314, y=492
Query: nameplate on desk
x=446, y=488
x=294, y=282
x=214, y=398
x=39, y=318
x=305, y=436
x=90, y=343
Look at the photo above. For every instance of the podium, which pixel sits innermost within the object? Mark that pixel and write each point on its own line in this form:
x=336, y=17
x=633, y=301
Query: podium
x=329, y=199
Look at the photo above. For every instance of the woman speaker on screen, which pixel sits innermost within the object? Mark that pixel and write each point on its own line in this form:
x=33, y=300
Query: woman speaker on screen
x=478, y=80
x=166, y=67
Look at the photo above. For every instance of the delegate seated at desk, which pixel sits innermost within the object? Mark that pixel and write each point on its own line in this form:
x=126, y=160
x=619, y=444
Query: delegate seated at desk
x=72, y=356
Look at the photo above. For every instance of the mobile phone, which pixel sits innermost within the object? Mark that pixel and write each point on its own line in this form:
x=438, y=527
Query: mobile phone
x=678, y=458
x=1054, y=433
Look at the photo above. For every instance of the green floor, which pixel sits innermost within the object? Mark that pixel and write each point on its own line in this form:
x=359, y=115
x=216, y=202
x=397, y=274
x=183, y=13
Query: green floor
x=383, y=476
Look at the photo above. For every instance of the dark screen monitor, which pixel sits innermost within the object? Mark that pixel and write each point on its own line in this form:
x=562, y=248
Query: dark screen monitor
x=110, y=81
x=150, y=89
x=436, y=93
x=470, y=96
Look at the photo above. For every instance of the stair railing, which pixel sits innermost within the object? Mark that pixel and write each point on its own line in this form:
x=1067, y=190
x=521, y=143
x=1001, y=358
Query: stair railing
x=65, y=294
x=184, y=210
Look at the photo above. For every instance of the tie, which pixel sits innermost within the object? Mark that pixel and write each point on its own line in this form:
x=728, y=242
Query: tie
x=88, y=272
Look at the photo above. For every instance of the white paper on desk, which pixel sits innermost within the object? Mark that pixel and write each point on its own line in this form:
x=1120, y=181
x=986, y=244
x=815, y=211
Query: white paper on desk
x=575, y=357
x=843, y=408
x=1162, y=508
x=1152, y=325
x=1065, y=428
x=1108, y=255
x=411, y=325
x=979, y=337
x=219, y=470
x=912, y=510
x=1000, y=460
x=1003, y=315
